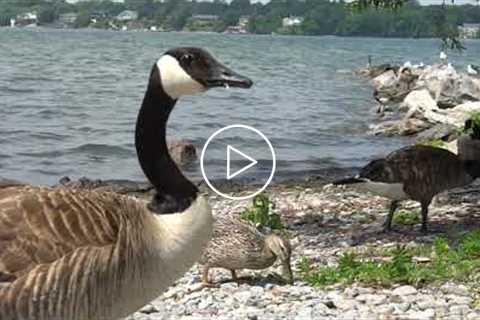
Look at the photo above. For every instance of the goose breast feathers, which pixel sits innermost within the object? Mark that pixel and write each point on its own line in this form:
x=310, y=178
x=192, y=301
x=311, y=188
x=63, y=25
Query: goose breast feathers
x=72, y=254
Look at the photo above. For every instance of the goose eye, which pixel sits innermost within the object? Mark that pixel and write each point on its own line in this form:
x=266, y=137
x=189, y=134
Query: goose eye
x=187, y=58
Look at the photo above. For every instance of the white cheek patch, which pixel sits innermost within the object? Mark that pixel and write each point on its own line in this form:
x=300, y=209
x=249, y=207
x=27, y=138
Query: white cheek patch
x=175, y=81
x=392, y=191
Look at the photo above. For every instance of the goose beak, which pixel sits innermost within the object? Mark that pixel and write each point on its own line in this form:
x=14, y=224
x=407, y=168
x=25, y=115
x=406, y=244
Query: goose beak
x=221, y=76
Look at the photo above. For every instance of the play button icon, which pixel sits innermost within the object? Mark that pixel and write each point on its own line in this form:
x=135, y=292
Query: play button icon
x=236, y=173
x=235, y=155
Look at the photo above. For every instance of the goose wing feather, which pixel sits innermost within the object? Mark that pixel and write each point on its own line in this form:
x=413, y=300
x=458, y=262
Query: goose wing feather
x=41, y=225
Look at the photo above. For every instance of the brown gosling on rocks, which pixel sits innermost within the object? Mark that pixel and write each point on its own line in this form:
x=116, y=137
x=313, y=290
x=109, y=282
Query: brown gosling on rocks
x=415, y=172
x=79, y=254
x=238, y=245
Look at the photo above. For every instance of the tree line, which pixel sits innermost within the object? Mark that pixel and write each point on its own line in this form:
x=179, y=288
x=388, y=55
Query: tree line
x=321, y=17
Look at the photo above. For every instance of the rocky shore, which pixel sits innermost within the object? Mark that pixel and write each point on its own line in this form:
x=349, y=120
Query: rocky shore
x=324, y=222
x=427, y=101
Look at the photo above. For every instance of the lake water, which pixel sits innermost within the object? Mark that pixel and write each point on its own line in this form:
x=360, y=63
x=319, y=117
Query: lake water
x=69, y=99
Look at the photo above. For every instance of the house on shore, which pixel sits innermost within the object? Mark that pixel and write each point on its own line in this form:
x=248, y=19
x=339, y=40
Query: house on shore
x=127, y=16
x=203, y=22
x=240, y=28
x=27, y=19
x=207, y=18
x=292, y=21
x=469, y=30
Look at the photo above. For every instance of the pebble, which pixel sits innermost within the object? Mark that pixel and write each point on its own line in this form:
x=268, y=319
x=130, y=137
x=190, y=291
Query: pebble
x=321, y=241
x=459, y=290
x=459, y=310
x=404, y=291
x=421, y=315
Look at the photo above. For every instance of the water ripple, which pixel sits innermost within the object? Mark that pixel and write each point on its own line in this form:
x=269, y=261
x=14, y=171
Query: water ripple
x=74, y=111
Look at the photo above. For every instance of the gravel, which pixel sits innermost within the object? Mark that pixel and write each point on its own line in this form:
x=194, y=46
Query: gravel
x=325, y=222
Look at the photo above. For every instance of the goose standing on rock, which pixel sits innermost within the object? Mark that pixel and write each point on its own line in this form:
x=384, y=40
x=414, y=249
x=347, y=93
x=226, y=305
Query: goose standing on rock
x=78, y=254
x=416, y=172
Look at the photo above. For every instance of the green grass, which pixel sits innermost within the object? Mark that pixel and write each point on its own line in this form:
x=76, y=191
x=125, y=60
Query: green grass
x=262, y=213
x=398, y=266
x=407, y=218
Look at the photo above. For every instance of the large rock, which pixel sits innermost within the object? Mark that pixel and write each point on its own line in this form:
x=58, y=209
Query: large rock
x=441, y=131
x=392, y=87
x=458, y=115
x=182, y=152
x=376, y=70
x=421, y=105
x=405, y=127
x=448, y=87
x=385, y=80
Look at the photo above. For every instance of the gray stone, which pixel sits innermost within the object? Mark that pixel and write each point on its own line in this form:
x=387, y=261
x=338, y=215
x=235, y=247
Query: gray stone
x=439, y=131
x=459, y=290
x=182, y=152
x=421, y=315
x=149, y=309
x=401, y=307
x=350, y=315
x=243, y=296
x=473, y=315
x=459, y=299
x=404, y=291
x=460, y=310
x=305, y=313
x=350, y=292
x=385, y=309
x=371, y=299
x=425, y=304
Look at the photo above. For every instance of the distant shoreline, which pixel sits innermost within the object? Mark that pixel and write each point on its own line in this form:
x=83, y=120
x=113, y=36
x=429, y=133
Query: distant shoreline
x=51, y=28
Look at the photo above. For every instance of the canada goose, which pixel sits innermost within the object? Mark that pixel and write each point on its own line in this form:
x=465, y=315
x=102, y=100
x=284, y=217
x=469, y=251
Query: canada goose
x=80, y=254
x=414, y=172
x=238, y=245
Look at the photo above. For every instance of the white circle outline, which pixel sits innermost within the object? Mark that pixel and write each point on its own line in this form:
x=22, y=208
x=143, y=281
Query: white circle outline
x=242, y=126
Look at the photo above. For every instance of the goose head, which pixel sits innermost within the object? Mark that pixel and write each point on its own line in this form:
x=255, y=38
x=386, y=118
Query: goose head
x=188, y=71
x=281, y=248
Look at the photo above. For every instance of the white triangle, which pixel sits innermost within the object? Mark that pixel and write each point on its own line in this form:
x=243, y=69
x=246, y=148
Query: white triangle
x=248, y=166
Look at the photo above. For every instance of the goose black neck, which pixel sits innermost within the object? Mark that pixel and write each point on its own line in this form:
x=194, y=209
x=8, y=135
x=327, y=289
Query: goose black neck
x=174, y=192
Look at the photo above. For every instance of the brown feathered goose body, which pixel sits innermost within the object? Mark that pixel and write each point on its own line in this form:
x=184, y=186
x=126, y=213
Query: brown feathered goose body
x=72, y=254
x=415, y=172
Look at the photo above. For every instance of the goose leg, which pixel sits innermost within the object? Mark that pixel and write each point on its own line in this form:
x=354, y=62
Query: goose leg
x=387, y=226
x=234, y=275
x=425, y=216
x=205, y=278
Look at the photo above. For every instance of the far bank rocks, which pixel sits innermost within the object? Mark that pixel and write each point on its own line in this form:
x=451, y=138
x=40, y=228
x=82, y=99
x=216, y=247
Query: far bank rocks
x=423, y=97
